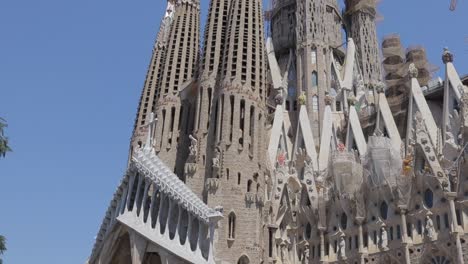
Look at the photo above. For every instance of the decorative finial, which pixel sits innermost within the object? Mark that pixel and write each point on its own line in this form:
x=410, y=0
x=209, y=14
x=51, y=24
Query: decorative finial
x=302, y=98
x=380, y=87
x=352, y=100
x=413, y=71
x=447, y=56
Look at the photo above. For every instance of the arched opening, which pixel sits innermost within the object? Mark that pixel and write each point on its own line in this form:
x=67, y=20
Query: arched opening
x=133, y=192
x=429, y=198
x=314, y=79
x=140, y=198
x=183, y=227
x=243, y=260
x=308, y=231
x=344, y=221
x=204, y=242
x=147, y=203
x=156, y=200
x=232, y=226
x=173, y=221
x=384, y=210
x=163, y=215
x=122, y=250
x=194, y=234
x=249, y=185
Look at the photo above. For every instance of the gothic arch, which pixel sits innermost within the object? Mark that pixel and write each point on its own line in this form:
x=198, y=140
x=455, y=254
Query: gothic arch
x=232, y=225
x=243, y=260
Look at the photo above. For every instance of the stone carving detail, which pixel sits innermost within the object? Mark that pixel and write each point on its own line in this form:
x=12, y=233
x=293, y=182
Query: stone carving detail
x=342, y=247
x=430, y=231
x=193, y=149
x=447, y=56
x=413, y=71
x=383, y=238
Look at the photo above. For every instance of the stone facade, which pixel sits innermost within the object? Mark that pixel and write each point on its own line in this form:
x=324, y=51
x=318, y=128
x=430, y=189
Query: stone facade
x=285, y=149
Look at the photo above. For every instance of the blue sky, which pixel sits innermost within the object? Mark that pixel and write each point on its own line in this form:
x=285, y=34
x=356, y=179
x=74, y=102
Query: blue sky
x=70, y=76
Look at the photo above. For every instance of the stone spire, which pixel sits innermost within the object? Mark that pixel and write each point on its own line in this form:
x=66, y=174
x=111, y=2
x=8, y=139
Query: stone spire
x=172, y=70
x=361, y=15
x=213, y=49
x=151, y=87
x=318, y=28
x=234, y=155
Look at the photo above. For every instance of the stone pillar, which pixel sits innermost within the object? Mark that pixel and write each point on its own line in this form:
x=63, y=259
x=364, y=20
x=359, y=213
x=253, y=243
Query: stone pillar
x=447, y=57
x=451, y=198
x=409, y=125
x=403, y=210
x=137, y=247
x=362, y=251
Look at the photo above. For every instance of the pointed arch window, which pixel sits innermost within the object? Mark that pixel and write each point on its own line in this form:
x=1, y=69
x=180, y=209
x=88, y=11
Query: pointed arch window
x=429, y=198
x=249, y=185
x=344, y=221
x=314, y=79
x=232, y=226
x=384, y=210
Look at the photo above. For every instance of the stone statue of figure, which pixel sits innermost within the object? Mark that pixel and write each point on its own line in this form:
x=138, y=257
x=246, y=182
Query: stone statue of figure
x=284, y=253
x=430, y=231
x=306, y=254
x=383, y=238
x=342, y=247
x=193, y=147
x=216, y=158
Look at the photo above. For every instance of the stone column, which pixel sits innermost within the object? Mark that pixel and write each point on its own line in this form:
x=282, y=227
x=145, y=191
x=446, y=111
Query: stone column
x=451, y=198
x=403, y=210
x=362, y=251
x=137, y=247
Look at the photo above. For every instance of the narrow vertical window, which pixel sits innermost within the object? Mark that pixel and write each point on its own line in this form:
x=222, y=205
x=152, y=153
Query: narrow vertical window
x=232, y=226
x=249, y=185
x=314, y=79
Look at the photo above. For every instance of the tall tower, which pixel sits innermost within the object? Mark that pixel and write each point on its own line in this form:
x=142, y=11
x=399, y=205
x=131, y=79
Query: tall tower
x=213, y=49
x=235, y=152
x=176, y=69
x=362, y=28
x=151, y=87
x=306, y=57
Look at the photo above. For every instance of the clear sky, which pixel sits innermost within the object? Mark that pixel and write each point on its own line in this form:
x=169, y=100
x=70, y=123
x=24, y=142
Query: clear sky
x=70, y=76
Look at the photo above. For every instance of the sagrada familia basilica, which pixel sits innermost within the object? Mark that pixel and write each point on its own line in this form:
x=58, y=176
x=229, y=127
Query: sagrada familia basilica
x=291, y=136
